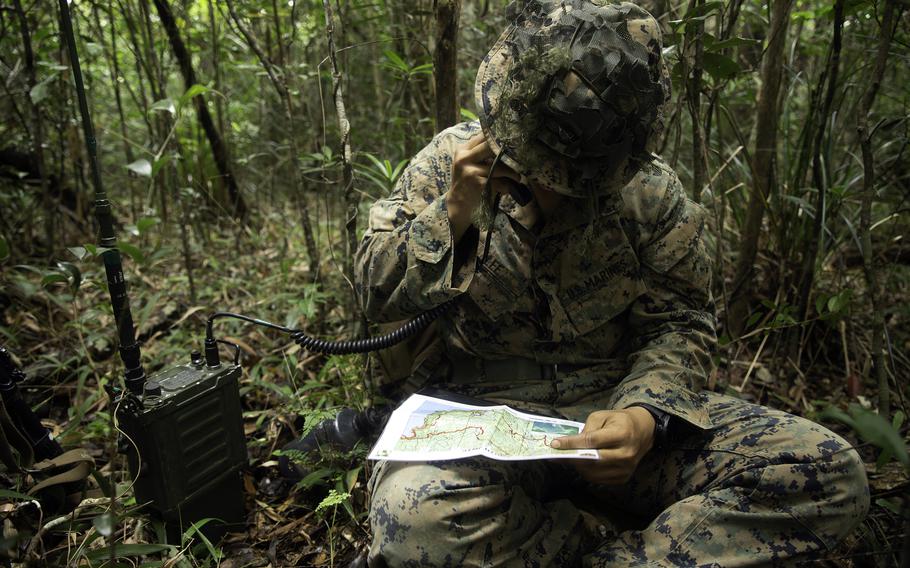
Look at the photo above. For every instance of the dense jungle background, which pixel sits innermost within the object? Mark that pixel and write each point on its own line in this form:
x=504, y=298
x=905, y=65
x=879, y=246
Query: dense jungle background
x=242, y=142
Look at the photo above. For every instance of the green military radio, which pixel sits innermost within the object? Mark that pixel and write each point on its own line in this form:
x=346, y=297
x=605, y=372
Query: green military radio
x=185, y=445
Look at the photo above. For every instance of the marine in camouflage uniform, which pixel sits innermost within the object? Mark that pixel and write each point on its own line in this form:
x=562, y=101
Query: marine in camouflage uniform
x=605, y=305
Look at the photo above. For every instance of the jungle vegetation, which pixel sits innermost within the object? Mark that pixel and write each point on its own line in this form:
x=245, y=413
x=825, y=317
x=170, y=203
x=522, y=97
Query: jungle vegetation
x=243, y=141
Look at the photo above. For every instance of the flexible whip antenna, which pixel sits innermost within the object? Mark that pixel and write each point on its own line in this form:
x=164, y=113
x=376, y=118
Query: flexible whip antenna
x=110, y=255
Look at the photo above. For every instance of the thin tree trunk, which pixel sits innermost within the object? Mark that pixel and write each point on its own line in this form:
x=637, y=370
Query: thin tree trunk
x=37, y=131
x=113, y=60
x=347, y=169
x=219, y=150
x=445, y=63
x=140, y=99
x=404, y=111
x=819, y=175
x=216, y=66
x=185, y=249
x=162, y=122
x=865, y=225
x=727, y=25
x=280, y=59
x=693, y=98
x=763, y=164
x=277, y=78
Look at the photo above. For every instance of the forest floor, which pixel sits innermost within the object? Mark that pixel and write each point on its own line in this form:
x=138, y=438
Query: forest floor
x=61, y=330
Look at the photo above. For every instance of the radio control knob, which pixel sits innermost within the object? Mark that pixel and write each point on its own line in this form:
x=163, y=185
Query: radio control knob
x=196, y=359
x=152, y=388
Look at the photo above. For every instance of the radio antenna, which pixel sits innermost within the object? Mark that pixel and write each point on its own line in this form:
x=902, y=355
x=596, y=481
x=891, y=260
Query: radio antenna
x=110, y=254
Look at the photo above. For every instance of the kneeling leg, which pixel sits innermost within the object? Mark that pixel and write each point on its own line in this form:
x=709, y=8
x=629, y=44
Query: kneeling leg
x=761, y=488
x=473, y=512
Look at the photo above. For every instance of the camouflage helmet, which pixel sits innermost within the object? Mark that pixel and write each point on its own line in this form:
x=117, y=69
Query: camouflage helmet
x=572, y=92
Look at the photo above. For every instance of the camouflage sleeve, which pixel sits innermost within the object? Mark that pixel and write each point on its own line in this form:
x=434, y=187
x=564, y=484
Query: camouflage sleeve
x=405, y=262
x=673, y=322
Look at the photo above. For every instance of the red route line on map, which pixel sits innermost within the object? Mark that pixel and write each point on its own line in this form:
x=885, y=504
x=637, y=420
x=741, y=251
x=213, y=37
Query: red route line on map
x=523, y=437
x=414, y=435
x=431, y=434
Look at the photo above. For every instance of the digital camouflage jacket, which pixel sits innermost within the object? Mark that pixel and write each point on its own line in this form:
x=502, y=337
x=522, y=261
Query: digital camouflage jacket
x=617, y=296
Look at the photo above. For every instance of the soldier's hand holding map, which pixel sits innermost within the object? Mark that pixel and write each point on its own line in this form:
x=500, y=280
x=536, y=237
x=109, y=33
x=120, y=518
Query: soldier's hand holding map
x=425, y=428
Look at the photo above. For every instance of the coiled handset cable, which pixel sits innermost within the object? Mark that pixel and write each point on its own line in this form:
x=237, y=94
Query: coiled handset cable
x=343, y=347
x=519, y=193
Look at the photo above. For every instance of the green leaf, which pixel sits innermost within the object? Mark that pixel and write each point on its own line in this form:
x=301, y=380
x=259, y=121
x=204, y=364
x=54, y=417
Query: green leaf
x=145, y=224
x=838, y=415
x=193, y=91
x=821, y=301
x=873, y=428
x=839, y=302
x=133, y=252
x=7, y=494
x=890, y=505
x=30, y=268
x=105, y=524
x=94, y=49
x=160, y=163
x=884, y=458
x=720, y=66
x=339, y=487
x=699, y=13
x=333, y=499
x=425, y=68
x=376, y=162
x=26, y=288
x=314, y=478
x=732, y=42
x=125, y=550
x=141, y=167
x=164, y=105
x=705, y=9
x=467, y=114
x=898, y=420
x=395, y=61
x=53, y=278
x=75, y=275
x=40, y=91
x=78, y=252
x=4, y=249
x=350, y=478
x=195, y=529
x=753, y=319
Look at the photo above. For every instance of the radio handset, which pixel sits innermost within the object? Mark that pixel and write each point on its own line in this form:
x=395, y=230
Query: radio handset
x=521, y=194
x=517, y=191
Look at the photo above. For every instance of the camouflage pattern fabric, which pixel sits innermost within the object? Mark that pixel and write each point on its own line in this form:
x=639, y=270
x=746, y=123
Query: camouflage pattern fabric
x=572, y=92
x=616, y=299
x=617, y=294
x=761, y=488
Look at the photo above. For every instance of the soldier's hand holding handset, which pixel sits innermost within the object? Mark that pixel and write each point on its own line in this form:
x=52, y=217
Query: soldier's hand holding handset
x=470, y=168
x=622, y=438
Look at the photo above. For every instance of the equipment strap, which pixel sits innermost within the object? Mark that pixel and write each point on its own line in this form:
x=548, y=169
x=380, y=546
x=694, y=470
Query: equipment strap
x=84, y=464
x=12, y=439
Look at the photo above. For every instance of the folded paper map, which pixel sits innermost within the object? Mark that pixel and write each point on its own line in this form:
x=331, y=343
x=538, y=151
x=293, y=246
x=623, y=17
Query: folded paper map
x=424, y=428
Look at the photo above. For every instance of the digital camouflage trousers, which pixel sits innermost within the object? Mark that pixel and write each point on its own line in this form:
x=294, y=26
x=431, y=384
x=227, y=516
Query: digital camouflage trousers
x=761, y=488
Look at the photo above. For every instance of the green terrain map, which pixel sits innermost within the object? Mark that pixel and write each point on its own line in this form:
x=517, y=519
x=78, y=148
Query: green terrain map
x=496, y=431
